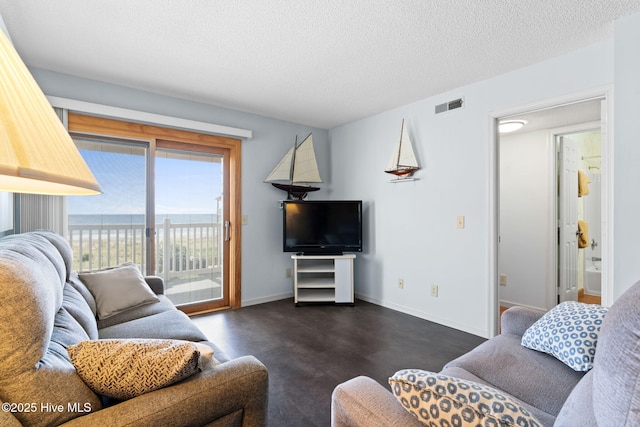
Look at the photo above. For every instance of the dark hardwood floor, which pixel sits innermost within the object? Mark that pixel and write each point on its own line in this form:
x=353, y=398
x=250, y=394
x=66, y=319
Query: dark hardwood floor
x=310, y=349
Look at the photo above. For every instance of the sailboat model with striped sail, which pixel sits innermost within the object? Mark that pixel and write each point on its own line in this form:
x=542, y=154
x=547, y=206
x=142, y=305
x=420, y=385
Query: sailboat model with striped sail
x=296, y=169
x=403, y=161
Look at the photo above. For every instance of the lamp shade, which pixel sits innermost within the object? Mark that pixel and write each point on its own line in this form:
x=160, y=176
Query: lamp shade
x=37, y=155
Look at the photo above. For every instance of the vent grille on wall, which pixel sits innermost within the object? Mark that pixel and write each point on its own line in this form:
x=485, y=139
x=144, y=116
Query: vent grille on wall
x=448, y=106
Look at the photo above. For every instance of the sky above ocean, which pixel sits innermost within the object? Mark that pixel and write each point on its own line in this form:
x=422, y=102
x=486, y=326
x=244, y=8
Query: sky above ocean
x=183, y=184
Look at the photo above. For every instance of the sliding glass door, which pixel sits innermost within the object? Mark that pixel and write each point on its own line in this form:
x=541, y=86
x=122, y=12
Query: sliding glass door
x=190, y=218
x=109, y=229
x=167, y=206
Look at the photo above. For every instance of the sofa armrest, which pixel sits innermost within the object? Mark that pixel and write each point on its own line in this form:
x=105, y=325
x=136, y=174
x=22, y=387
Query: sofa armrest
x=516, y=320
x=235, y=392
x=156, y=284
x=7, y=419
x=362, y=402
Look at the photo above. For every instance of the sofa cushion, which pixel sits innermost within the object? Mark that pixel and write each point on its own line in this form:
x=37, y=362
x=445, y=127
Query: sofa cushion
x=122, y=369
x=75, y=304
x=503, y=363
x=569, y=332
x=545, y=418
x=163, y=304
x=63, y=248
x=578, y=408
x=616, y=372
x=37, y=327
x=118, y=289
x=438, y=399
x=75, y=282
x=172, y=324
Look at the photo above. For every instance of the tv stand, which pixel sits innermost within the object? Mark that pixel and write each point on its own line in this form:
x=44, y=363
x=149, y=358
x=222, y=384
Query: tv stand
x=323, y=278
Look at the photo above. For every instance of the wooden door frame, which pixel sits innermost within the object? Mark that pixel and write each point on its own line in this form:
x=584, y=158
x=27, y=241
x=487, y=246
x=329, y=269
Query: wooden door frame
x=106, y=127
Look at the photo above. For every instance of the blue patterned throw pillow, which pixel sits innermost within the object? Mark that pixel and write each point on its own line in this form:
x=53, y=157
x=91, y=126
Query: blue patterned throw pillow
x=440, y=400
x=568, y=332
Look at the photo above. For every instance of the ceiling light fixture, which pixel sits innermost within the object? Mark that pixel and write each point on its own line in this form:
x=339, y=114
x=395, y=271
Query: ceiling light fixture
x=37, y=155
x=511, y=125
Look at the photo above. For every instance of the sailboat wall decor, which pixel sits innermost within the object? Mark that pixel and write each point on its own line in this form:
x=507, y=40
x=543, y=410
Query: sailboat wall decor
x=296, y=170
x=403, y=162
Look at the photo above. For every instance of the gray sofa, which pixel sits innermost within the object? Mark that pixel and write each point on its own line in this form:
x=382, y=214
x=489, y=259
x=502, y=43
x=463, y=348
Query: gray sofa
x=45, y=309
x=608, y=395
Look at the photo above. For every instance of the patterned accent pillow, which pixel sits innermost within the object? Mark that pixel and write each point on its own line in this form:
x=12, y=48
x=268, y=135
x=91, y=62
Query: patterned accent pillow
x=569, y=332
x=122, y=369
x=441, y=400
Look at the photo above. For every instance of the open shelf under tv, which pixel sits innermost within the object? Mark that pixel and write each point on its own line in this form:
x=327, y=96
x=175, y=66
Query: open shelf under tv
x=323, y=278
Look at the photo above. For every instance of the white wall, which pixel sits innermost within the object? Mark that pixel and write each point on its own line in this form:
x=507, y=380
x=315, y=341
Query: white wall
x=526, y=220
x=411, y=227
x=263, y=262
x=626, y=234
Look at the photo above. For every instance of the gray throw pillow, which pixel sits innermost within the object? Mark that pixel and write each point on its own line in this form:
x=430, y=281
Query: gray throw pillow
x=118, y=289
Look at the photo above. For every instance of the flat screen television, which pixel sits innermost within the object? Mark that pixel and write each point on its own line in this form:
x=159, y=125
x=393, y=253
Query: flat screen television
x=322, y=227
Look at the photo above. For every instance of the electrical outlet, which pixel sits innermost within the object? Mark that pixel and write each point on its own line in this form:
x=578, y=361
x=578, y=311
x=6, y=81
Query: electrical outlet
x=503, y=280
x=434, y=290
x=287, y=272
x=401, y=283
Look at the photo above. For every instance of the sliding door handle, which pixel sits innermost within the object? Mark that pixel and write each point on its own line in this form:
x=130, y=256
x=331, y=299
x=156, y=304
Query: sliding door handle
x=227, y=231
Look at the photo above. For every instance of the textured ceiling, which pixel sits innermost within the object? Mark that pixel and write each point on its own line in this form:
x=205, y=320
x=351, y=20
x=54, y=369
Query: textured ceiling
x=317, y=62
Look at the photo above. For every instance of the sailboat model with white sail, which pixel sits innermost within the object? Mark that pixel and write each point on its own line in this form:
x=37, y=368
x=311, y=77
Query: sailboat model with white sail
x=296, y=169
x=403, y=161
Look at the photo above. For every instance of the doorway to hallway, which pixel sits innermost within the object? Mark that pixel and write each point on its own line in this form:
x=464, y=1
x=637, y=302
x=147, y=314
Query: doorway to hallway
x=528, y=265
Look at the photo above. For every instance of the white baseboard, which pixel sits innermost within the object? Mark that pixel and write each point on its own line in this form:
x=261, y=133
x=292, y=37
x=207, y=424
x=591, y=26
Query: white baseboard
x=262, y=300
x=510, y=304
x=423, y=315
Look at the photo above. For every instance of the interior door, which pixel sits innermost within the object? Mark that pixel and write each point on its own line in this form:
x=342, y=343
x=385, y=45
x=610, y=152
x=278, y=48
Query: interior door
x=568, y=220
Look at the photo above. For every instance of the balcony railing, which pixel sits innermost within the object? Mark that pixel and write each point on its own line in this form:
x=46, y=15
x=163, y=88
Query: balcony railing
x=188, y=256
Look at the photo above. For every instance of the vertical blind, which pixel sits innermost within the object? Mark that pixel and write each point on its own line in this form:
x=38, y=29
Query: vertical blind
x=42, y=212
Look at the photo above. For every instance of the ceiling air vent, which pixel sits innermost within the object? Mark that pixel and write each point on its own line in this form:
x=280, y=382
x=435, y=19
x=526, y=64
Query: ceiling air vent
x=448, y=106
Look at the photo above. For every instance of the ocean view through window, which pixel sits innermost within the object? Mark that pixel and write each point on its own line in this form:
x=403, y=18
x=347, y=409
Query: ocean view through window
x=183, y=243
x=189, y=203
